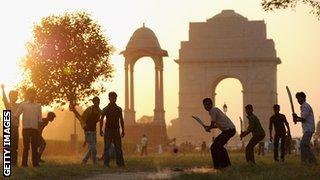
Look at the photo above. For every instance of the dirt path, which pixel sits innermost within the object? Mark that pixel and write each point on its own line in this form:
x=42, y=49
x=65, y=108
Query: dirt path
x=134, y=176
x=166, y=174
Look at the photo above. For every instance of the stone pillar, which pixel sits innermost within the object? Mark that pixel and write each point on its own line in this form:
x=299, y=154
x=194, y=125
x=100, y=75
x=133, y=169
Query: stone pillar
x=132, y=111
x=161, y=93
x=126, y=87
x=129, y=113
x=156, y=96
x=159, y=109
x=156, y=81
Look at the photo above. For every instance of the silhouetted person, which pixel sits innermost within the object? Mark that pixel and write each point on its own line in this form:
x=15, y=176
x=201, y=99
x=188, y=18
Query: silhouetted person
x=42, y=143
x=173, y=146
x=203, y=148
x=257, y=133
x=113, y=114
x=12, y=105
x=90, y=117
x=144, y=145
x=219, y=120
x=308, y=127
x=31, y=116
x=278, y=121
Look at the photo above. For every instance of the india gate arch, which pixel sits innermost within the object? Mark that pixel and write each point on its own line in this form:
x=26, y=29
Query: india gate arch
x=144, y=43
x=227, y=45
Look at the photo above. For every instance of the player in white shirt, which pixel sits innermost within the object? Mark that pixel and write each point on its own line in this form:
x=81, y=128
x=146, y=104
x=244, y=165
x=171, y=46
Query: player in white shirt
x=31, y=116
x=221, y=121
x=308, y=126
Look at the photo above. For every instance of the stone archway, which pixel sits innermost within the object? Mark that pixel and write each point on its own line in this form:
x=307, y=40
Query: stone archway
x=229, y=96
x=227, y=45
x=144, y=43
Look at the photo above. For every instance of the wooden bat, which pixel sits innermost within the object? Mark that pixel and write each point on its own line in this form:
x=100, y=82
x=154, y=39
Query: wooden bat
x=291, y=102
x=199, y=121
x=241, y=126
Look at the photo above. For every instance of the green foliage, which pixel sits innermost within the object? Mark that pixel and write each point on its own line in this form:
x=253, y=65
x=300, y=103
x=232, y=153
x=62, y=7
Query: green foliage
x=269, y=5
x=68, y=59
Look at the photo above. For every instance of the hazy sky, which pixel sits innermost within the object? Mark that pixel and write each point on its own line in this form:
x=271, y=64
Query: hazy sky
x=296, y=35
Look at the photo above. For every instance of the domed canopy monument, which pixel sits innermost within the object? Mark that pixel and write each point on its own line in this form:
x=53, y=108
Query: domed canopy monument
x=144, y=43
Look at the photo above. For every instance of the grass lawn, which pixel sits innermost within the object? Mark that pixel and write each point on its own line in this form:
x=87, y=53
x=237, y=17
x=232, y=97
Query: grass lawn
x=60, y=167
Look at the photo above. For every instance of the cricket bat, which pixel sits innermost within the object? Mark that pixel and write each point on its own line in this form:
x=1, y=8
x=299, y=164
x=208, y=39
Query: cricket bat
x=291, y=102
x=241, y=126
x=199, y=121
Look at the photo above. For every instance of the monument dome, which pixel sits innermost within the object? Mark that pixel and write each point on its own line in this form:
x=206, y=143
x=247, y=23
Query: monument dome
x=144, y=39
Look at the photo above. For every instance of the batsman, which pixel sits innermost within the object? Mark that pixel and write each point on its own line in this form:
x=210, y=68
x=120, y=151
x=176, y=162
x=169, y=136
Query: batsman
x=219, y=120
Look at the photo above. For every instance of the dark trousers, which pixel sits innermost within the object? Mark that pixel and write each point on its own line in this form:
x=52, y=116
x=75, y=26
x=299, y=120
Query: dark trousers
x=41, y=146
x=113, y=136
x=250, y=147
x=282, y=138
x=144, y=150
x=30, y=136
x=15, y=144
x=307, y=156
x=219, y=154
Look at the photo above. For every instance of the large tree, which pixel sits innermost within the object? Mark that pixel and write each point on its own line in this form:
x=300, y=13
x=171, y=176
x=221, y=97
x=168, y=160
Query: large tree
x=284, y=4
x=67, y=59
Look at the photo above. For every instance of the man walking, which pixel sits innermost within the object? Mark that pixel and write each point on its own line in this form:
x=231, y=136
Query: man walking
x=42, y=143
x=113, y=114
x=12, y=105
x=31, y=116
x=308, y=126
x=219, y=120
x=89, y=120
x=279, y=121
x=144, y=145
x=257, y=131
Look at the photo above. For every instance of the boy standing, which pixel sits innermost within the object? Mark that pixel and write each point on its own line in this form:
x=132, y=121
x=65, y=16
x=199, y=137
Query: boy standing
x=279, y=121
x=144, y=145
x=257, y=131
x=308, y=126
x=113, y=114
x=31, y=116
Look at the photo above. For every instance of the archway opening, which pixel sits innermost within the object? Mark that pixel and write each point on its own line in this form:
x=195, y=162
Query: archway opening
x=229, y=92
x=144, y=88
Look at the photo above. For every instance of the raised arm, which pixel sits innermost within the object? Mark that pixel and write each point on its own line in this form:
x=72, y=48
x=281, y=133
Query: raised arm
x=4, y=97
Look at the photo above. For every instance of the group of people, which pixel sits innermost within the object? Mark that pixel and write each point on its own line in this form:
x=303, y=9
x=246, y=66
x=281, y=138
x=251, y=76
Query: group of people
x=221, y=121
x=111, y=133
x=32, y=126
